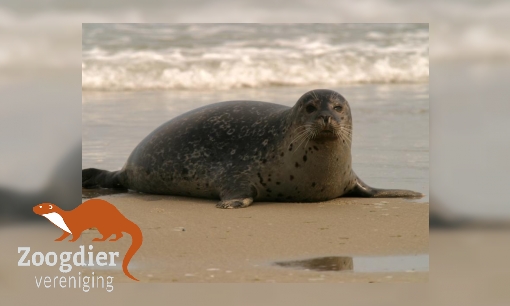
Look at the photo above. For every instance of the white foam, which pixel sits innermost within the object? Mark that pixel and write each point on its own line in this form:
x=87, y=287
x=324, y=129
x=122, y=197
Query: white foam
x=236, y=65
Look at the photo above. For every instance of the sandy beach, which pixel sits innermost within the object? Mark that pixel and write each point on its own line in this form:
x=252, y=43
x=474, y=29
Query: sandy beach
x=189, y=240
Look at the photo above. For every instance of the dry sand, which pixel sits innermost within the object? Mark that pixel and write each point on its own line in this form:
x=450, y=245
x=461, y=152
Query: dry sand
x=189, y=240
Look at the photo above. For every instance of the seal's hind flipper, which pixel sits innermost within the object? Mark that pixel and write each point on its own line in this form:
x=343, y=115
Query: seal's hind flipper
x=361, y=189
x=95, y=178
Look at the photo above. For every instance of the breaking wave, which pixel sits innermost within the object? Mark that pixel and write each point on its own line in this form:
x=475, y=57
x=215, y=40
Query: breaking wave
x=256, y=62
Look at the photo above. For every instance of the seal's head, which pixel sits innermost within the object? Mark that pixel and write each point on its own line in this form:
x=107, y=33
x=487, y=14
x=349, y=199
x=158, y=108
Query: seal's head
x=322, y=115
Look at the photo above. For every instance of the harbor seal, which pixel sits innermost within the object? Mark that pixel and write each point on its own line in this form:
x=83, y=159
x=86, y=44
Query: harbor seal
x=245, y=151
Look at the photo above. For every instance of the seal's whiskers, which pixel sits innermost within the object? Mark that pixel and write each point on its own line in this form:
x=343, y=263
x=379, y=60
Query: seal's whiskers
x=304, y=138
x=345, y=134
x=300, y=136
x=302, y=133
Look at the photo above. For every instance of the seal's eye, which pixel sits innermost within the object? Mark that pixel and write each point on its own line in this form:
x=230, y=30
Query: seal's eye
x=310, y=109
x=338, y=108
x=51, y=206
x=40, y=206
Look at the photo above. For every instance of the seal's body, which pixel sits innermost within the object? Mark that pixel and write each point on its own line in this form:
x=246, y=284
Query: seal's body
x=240, y=151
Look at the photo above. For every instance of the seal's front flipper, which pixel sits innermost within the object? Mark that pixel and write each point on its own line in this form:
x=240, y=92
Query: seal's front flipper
x=361, y=189
x=235, y=203
x=239, y=196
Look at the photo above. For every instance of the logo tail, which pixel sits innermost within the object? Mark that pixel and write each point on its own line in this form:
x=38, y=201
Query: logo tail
x=136, y=243
x=93, y=178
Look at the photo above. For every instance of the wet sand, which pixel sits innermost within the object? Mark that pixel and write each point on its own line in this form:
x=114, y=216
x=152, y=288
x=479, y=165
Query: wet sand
x=189, y=240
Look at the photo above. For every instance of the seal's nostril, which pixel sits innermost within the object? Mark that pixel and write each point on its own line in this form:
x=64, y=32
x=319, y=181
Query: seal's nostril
x=326, y=119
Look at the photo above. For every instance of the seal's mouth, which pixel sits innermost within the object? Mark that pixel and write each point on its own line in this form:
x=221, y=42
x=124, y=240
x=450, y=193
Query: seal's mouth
x=326, y=134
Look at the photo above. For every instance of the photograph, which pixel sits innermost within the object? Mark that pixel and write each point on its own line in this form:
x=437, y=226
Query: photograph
x=254, y=153
x=294, y=144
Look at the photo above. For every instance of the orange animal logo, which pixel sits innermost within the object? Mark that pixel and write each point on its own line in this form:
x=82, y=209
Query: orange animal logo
x=94, y=213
